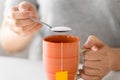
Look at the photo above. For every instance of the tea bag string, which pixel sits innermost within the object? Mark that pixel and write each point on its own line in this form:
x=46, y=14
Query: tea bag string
x=61, y=56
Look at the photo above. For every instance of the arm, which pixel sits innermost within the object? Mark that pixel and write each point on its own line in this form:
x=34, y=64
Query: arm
x=16, y=36
x=115, y=58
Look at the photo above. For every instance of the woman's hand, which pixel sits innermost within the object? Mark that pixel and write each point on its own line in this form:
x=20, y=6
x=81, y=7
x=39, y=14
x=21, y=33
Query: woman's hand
x=17, y=29
x=97, y=61
x=18, y=19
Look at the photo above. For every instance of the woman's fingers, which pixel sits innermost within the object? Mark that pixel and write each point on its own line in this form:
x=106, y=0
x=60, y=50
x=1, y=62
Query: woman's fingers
x=21, y=22
x=93, y=41
x=27, y=29
x=19, y=15
x=88, y=77
x=91, y=55
x=93, y=64
x=34, y=30
x=91, y=71
x=26, y=6
x=22, y=11
x=31, y=27
x=15, y=8
x=14, y=13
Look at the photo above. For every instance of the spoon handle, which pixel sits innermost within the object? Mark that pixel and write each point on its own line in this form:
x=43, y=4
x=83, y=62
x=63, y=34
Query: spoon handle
x=41, y=22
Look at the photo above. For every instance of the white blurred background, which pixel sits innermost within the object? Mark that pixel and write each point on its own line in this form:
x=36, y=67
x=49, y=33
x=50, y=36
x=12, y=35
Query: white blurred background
x=1, y=9
x=1, y=17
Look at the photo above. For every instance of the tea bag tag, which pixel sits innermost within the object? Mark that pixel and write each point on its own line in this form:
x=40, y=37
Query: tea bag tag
x=63, y=75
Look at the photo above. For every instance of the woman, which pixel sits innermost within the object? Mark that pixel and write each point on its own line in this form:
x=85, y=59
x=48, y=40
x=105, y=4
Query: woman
x=85, y=17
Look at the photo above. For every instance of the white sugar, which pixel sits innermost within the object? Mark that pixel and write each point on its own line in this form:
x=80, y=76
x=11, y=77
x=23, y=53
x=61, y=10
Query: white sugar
x=61, y=29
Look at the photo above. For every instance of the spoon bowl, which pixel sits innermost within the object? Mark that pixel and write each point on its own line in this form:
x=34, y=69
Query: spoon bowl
x=61, y=29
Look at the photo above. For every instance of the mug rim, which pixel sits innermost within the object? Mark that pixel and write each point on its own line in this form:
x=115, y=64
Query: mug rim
x=72, y=38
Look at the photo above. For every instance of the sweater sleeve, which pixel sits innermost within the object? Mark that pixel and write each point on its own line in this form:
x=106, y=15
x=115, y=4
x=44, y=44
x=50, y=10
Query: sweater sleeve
x=9, y=3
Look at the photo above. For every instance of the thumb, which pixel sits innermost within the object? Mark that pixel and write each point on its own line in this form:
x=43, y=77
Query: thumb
x=93, y=42
x=26, y=6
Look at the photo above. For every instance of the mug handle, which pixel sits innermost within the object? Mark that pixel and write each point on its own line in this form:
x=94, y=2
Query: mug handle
x=82, y=51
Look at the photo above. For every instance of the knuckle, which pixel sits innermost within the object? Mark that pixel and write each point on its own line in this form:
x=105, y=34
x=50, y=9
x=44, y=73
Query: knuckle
x=85, y=77
x=87, y=54
x=22, y=29
x=16, y=23
x=89, y=77
x=87, y=72
x=86, y=63
x=14, y=8
x=12, y=15
x=92, y=72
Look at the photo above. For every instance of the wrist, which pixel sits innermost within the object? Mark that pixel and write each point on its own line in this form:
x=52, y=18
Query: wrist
x=114, y=58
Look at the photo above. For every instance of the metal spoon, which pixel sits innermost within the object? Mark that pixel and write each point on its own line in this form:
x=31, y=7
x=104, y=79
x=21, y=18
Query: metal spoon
x=55, y=29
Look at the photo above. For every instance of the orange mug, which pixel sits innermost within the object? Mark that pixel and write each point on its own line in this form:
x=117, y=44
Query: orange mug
x=61, y=53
